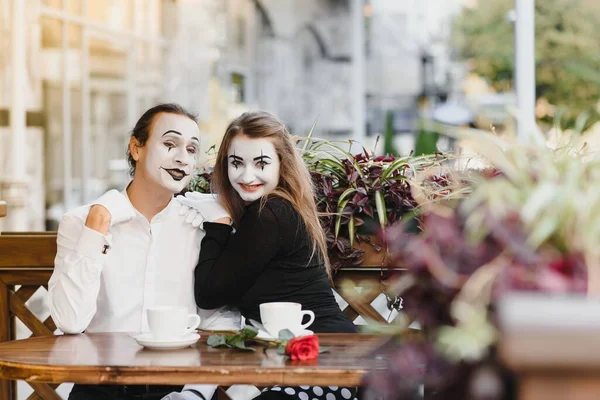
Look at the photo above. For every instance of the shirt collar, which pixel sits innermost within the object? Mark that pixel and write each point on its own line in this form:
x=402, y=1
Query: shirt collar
x=162, y=214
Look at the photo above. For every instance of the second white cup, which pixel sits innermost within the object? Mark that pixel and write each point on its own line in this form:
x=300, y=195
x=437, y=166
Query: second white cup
x=282, y=315
x=167, y=323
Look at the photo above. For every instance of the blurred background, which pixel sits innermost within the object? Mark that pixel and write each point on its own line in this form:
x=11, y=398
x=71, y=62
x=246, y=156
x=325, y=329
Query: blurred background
x=75, y=75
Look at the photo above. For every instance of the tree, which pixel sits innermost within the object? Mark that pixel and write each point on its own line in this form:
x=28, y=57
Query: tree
x=567, y=51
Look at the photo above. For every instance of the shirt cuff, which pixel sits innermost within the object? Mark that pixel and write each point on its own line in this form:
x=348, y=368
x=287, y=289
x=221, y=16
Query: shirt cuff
x=93, y=244
x=221, y=319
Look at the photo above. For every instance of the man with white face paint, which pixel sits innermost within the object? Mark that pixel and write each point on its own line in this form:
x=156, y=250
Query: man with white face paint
x=171, y=152
x=132, y=250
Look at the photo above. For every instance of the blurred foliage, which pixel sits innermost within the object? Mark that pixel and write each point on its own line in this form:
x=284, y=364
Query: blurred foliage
x=201, y=180
x=527, y=219
x=567, y=51
x=388, y=143
x=426, y=141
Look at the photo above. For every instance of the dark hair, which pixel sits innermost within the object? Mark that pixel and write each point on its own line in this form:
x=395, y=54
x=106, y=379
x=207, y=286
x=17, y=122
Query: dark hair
x=141, y=130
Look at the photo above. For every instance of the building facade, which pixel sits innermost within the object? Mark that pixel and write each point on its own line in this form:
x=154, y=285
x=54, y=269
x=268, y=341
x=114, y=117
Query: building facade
x=76, y=74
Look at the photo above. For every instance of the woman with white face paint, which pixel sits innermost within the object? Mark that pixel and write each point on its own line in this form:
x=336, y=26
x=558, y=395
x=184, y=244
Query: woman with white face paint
x=278, y=252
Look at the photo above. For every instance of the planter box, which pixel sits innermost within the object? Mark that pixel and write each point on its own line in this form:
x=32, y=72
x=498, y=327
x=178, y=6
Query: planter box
x=372, y=257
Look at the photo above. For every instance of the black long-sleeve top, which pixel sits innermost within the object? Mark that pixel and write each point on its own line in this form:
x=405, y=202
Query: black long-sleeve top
x=267, y=259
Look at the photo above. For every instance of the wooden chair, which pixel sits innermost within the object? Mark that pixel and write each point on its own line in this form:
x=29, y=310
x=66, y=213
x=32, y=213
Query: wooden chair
x=26, y=265
x=369, y=283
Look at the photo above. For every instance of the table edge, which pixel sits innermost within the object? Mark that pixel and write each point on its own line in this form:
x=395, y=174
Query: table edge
x=175, y=375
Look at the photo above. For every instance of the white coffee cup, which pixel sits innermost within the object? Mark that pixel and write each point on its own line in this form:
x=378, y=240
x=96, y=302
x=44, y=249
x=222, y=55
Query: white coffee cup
x=282, y=315
x=171, y=322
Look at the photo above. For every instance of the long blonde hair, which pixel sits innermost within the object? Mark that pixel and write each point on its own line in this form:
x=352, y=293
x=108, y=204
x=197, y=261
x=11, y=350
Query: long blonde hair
x=295, y=183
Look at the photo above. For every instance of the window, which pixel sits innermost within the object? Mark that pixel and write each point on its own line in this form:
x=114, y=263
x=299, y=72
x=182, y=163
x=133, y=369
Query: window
x=96, y=80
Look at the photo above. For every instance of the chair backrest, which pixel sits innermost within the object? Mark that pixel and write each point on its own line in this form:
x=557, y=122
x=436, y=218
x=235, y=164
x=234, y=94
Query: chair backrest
x=27, y=251
x=26, y=264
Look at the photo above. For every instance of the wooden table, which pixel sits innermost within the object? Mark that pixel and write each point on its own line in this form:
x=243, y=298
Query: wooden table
x=27, y=261
x=116, y=358
x=554, y=364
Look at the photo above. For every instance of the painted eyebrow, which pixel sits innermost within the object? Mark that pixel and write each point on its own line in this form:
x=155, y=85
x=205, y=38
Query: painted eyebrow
x=179, y=133
x=262, y=158
x=236, y=158
x=172, y=131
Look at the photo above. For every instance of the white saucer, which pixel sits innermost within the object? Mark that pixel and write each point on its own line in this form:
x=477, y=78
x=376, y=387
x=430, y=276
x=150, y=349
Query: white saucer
x=146, y=340
x=266, y=336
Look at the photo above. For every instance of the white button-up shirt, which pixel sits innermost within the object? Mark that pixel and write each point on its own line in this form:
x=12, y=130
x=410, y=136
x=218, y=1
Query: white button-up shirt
x=146, y=264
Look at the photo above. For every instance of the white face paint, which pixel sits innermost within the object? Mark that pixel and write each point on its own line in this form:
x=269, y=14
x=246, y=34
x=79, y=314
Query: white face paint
x=169, y=156
x=253, y=167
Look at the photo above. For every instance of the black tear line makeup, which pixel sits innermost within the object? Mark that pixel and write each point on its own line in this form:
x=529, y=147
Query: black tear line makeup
x=262, y=159
x=236, y=160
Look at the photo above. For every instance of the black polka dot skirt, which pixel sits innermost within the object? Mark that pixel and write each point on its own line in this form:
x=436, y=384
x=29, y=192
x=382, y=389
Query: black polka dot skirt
x=310, y=392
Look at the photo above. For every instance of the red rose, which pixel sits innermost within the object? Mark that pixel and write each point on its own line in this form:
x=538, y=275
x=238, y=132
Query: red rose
x=303, y=348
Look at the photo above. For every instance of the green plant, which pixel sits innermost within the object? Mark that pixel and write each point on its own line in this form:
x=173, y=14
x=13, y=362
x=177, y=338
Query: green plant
x=359, y=194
